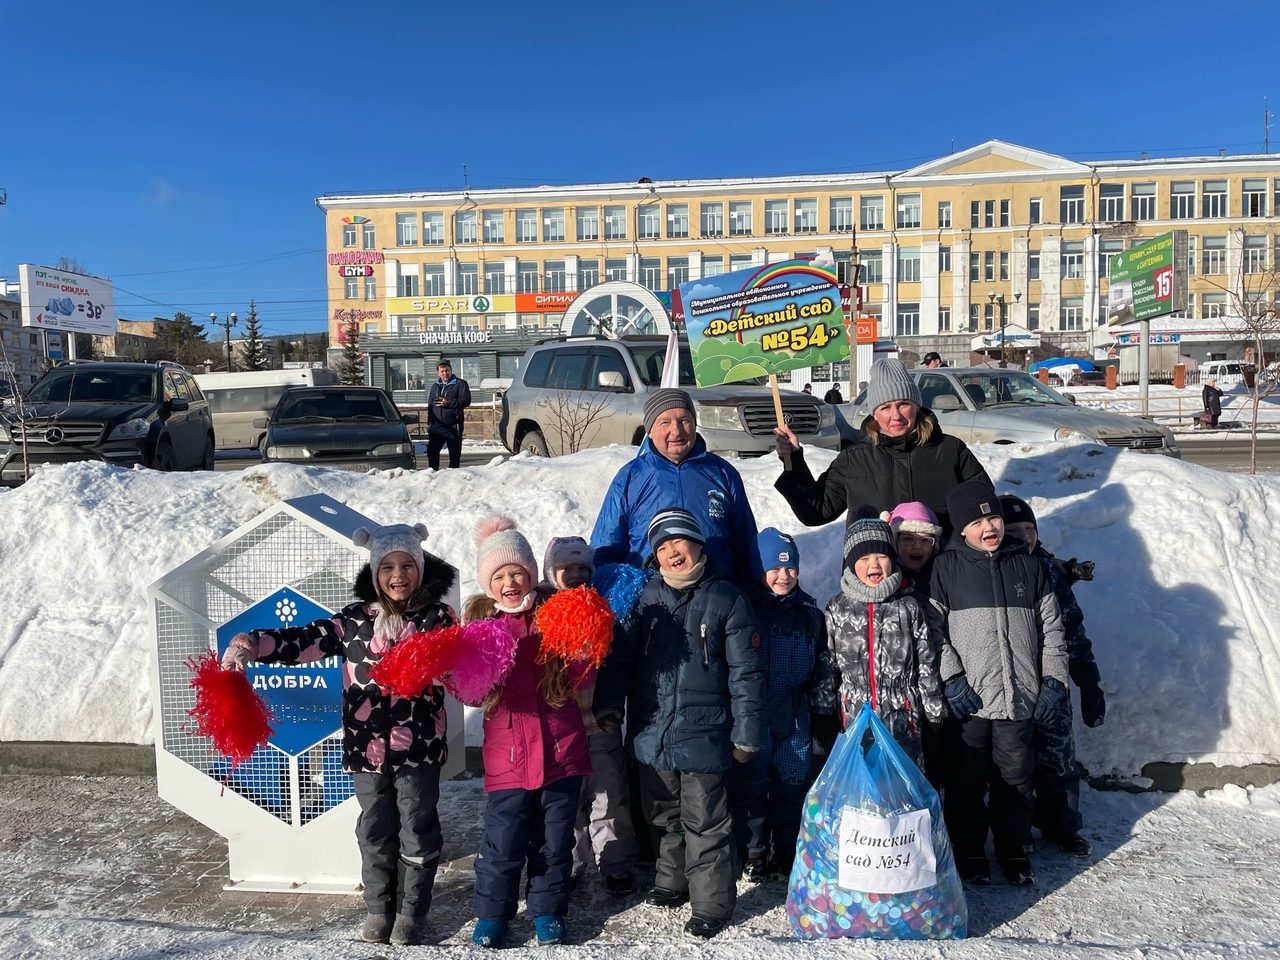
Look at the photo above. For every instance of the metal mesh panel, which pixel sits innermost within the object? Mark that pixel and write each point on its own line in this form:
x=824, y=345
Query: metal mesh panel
x=179, y=639
x=322, y=784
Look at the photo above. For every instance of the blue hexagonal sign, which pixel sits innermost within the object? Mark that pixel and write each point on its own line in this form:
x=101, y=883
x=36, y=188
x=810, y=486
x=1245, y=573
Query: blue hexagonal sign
x=306, y=699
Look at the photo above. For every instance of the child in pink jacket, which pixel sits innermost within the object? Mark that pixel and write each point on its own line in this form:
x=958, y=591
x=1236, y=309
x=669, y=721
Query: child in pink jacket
x=535, y=752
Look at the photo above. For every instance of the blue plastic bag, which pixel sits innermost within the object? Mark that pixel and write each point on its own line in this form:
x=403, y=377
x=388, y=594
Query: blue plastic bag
x=873, y=858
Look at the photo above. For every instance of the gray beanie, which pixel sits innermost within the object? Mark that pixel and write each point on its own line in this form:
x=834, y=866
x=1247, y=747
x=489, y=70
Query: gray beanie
x=890, y=381
x=389, y=539
x=663, y=399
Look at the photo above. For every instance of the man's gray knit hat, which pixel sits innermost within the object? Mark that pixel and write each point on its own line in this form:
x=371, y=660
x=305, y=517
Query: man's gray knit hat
x=890, y=381
x=663, y=399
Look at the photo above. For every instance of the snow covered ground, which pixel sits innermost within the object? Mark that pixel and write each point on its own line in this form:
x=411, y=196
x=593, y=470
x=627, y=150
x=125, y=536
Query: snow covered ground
x=1172, y=407
x=1182, y=612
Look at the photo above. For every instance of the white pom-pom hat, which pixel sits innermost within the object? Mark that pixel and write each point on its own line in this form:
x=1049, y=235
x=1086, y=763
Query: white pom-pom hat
x=384, y=540
x=499, y=543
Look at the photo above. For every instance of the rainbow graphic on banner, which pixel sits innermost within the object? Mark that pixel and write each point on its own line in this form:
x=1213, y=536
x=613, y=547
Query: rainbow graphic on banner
x=355, y=219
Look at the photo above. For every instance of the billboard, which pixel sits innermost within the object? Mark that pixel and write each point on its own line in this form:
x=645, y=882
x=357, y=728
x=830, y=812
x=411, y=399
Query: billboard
x=1149, y=280
x=58, y=300
x=483, y=303
x=764, y=320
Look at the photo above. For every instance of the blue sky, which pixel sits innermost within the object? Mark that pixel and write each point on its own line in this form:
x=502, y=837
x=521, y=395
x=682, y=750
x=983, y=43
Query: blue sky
x=179, y=148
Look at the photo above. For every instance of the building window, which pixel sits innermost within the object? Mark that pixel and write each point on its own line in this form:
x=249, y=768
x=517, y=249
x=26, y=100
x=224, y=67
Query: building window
x=1004, y=213
x=975, y=214
x=1072, y=314
x=713, y=219
x=433, y=279
x=651, y=272
x=406, y=230
x=348, y=234
x=908, y=324
x=989, y=213
x=553, y=279
x=988, y=316
x=368, y=237
x=553, y=224
x=944, y=259
x=1213, y=201
x=841, y=214
x=371, y=327
x=909, y=206
x=1253, y=197
x=712, y=266
x=975, y=314
x=615, y=222
x=1213, y=306
x=1072, y=259
x=588, y=273
x=989, y=265
x=740, y=261
x=975, y=265
x=1193, y=261
x=1255, y=254
x=944, y=213
x=843, y=259
x=909, y=265
x=495, y=278
x=588, y=223
x=677, y=271
x=351, y=288
x=1182, y=200
x=871, y=212
x=371, y=288
x=1106, y=250
x=527, y=225
x=464, y=226
x=432, y=228
x=468, y=279
x=1071, y=204
x=495, y=229
x=1215, y=255
x=615, y=268
x=649, y=221
x=872, y=266
x=739, y=218
x=944, y=319
x=527, y=276
x=677, y=220
x=1034, y=212
x=1033, y=316
x=407, y=285
x=775, y=217
x=807, y=215
x=1142, y=201
x=1004, y=264
x=1111, y=202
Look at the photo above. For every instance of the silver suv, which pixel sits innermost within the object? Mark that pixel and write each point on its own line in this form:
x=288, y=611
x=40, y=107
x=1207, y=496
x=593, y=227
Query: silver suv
x=590, y=391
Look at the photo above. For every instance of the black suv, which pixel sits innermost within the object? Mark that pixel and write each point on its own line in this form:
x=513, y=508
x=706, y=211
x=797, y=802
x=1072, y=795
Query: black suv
x=121, y=413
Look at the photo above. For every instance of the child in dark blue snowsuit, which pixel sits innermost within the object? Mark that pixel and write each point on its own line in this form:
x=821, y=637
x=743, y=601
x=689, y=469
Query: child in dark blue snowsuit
x=767, y=792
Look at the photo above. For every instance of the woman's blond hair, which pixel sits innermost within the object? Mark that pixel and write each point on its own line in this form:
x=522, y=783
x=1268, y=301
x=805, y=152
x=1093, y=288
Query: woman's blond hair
x=553, y=686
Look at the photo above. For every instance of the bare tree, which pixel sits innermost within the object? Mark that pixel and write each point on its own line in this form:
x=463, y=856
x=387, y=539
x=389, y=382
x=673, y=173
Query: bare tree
x=577, y=417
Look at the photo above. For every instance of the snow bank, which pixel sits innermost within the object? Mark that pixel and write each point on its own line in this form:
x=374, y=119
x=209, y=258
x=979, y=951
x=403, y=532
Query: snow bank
x=1181, y=613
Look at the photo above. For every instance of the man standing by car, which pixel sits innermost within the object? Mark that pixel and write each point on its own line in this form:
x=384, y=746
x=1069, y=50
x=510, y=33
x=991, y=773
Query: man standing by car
x=446, y=407
x=673, y=468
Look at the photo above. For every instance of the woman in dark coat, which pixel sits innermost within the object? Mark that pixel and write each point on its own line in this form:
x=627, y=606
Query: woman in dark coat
x=1211, y=395
x=907, y=457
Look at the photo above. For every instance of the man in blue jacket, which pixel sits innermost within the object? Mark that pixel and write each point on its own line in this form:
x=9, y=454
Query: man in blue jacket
x=674, y=469
x=446, y=409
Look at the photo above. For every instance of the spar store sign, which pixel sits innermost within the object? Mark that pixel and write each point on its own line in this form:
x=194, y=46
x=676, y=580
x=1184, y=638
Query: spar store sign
x=482, y=303
x=1149, y=280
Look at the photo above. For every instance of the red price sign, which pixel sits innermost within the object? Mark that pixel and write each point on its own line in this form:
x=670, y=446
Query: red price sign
x=1163, y=279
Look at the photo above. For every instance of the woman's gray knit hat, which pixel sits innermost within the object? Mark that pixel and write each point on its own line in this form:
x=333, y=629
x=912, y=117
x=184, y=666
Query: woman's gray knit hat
x=890, y=381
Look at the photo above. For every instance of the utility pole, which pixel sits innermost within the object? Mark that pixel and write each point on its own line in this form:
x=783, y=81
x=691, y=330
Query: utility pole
x=1266, y=129
x=226, y=325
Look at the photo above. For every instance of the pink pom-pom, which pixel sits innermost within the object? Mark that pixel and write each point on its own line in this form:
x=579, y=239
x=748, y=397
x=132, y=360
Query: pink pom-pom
x=227, y=709
x=482, y=661
x=494, y=523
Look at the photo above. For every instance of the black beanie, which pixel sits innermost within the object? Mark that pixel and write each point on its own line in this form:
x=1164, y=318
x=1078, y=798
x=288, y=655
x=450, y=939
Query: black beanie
x=868, y=534
x=1017, y=510
x=970, y=501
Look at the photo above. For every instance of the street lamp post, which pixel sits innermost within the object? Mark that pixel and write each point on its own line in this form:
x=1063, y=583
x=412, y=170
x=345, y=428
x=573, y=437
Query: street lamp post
x=1004, y=317
x=226, y=325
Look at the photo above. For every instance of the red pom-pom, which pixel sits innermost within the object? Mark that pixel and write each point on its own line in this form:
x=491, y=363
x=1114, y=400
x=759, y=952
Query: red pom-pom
x=410, y=666
x=484, y=658
x=576, y=624
x=227, y=709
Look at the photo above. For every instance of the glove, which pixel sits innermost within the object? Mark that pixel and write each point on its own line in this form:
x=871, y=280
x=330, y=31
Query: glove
x=824, y=728
x=241, y=652
x=961, y=698
x=743, y=754
x=1093, y=705
x=609, y=723
x=1053, y=698
x=1078, y=570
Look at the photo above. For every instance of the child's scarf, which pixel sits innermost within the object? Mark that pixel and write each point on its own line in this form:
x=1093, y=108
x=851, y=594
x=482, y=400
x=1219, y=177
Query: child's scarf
x=855, y=589
x=682, y=581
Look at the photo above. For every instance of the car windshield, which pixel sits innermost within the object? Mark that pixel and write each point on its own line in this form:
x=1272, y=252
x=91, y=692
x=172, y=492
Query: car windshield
x=991, y=389
x=333, y=406
x=650, y=357
x=77, y=385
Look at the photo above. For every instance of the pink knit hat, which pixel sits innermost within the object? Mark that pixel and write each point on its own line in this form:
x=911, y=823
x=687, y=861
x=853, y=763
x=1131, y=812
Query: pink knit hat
x=913, y=517
x=498, y=543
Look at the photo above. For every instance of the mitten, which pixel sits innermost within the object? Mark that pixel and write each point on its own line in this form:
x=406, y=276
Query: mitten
x=1093, y=705
x=743, y=754
x=241, y=652
x=961, y=698
x=824, y=728
x=1053, y=698
x=609, y=723
x=1078, y=570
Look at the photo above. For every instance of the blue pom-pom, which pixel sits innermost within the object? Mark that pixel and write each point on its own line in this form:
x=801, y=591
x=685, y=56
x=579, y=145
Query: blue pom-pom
x=621, y=585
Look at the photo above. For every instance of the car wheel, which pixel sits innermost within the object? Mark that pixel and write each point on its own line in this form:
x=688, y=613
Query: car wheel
x=535, y=443
x=163, y=457
x=262, y=447
x=207, y=462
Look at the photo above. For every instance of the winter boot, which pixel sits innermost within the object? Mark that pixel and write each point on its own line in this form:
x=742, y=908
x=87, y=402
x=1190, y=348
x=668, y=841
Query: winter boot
x=619, y=884
x=756, y=869
x=667, y=899
x=490, y=933
x=1019, y=872
x=1074, y=845
x=377, y=928
x=704, y=928
x=408, y=930
x=974, y=870
x=549, y=928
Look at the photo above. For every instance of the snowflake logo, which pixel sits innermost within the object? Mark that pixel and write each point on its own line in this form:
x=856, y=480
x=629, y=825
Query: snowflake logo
x=286, y=610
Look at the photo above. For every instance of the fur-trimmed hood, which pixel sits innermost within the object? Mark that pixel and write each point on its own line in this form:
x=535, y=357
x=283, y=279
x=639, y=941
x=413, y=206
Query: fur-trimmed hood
x=437, y=578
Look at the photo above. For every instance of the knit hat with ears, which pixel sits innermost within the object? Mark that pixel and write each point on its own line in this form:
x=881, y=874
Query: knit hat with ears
x=562, y=551
x=384, y=540
x=498, y=543
x=913, y=517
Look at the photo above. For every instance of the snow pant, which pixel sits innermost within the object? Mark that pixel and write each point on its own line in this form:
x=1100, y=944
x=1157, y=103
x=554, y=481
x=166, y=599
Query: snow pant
x=646, y=835
x=604, y=831
x=398, y=831
x=437, y=440
x=766, y=808
x=695, y=852
x=1057, y=777
x=995, y=756
x=532, y=828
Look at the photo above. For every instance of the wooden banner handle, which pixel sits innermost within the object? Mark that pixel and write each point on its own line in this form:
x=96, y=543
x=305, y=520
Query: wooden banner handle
x=777, y=410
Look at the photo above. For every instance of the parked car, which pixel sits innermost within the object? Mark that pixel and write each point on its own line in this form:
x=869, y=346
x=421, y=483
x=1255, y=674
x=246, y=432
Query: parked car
x=1227, y=372
x=994, y=405
x=123, y=414
x=354, y=428
x=580, y=392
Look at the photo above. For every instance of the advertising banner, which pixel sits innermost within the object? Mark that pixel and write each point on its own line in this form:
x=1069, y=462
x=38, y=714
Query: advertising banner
x=1149, y=280
x=764, y=320
x=58, y=300
x=482, y=303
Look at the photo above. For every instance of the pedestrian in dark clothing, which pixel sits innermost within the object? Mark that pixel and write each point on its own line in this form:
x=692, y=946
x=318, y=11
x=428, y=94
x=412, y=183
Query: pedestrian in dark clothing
x=1057, y=775
x=1211, y=396
x=688, y=677
x=447, y=405
x=833, y=396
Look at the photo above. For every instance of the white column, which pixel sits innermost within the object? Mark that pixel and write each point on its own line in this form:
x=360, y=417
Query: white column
x=509, y=273
x=759, y=256
x=571, y=272
x=960, y=286
x=450, y=276
x=889, y=318
x=633, y=267
x=929, y=287
x=1018, y=277
x=1050, y=282
x=695, y=264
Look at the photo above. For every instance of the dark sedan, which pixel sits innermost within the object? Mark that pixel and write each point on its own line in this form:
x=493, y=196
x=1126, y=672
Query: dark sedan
x=352, y=428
